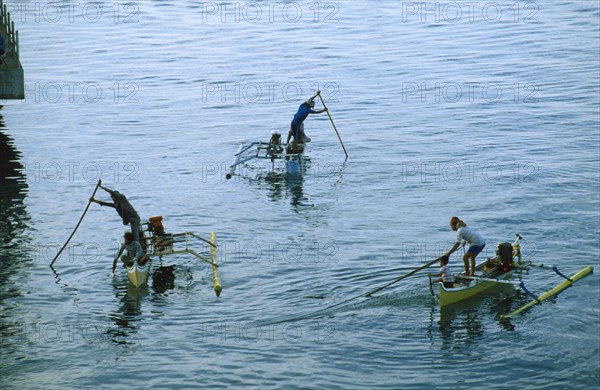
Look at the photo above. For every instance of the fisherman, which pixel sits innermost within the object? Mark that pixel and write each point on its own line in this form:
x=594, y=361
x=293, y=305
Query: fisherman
x=446, y=275
x=134, y=252
x=297, y=128
x=125, y=210
x=469, y=235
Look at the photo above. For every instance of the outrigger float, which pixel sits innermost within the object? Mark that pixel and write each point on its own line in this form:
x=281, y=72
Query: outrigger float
x=156, y=243
x=550, y=293
x=500, y=271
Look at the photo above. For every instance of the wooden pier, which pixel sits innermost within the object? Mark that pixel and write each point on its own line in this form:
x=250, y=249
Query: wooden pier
x=12, y=79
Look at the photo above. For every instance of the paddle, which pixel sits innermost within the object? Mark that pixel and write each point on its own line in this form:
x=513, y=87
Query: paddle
x=431, y=286
x=401, y=277
x=331, y=119
x=368, y=294
x=78, y=223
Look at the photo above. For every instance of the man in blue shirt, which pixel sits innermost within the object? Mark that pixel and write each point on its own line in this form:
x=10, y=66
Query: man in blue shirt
x=124, y=209
x=304, y=110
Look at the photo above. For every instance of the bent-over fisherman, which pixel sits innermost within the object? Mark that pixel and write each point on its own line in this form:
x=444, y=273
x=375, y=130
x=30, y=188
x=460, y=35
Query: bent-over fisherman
x=134, y=252
x=124, y=209
x=469, y=235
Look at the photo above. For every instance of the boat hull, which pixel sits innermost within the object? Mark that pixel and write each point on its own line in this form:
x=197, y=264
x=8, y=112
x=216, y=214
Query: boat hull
x=294, y=165
x=449, y=296
x=138, y=274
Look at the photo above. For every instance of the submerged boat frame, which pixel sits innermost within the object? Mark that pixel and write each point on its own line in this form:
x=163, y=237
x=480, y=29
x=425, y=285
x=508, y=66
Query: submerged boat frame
x=261, y=150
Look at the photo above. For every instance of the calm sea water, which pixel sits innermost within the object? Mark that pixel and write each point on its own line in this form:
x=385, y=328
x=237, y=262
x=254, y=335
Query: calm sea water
x=485, y=110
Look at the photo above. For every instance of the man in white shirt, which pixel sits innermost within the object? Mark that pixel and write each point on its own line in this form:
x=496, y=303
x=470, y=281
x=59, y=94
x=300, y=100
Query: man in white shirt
x=469, y=235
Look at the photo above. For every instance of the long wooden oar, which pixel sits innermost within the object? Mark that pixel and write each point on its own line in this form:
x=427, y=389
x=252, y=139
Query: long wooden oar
x=78, y=223
x=331, y=119
x=368, y=294
x=431, y=286
x=401, y=277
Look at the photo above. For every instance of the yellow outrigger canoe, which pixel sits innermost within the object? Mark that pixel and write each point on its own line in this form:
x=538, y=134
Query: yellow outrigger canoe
x=471, y=286
x=138, y=274
x=485, y=279
x=163, y=244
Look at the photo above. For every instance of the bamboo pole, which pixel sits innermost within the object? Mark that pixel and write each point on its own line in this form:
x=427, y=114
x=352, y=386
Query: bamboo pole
x=331, y=119
x=78, y=223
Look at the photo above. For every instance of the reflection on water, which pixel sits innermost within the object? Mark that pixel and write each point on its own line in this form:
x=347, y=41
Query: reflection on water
x=462, y=326
x=127, y=317
x=283, y=185
x=14, y=221
x=13, y=190
x=163, y=278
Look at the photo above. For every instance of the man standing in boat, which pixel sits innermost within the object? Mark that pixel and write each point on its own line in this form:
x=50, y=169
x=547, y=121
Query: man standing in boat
x=124, y=209
x=297, y=128
x=469, y=235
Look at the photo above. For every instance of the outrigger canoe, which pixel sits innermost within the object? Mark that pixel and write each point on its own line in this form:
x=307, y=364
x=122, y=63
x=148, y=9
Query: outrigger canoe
x=274, y=150
x=160, y=244
x=138, y=274
x=483, y=280
x=467, y=287
x=487, y=274
x=499, y=271
x=294, y=160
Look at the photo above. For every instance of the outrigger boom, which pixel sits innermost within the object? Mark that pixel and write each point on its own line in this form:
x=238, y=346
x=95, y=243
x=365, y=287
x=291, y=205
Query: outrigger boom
x=159, y=249
x=555, y=291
